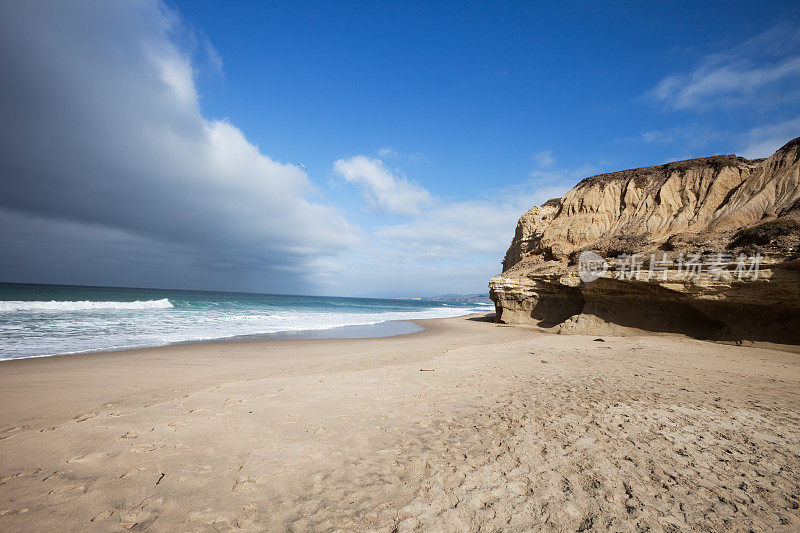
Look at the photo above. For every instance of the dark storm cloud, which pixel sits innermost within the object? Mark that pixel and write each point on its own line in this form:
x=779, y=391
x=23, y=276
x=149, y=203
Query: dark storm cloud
x=109, y=171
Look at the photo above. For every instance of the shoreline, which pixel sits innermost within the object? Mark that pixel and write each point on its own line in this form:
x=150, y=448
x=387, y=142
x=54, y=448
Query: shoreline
x=510, y=427
x=80, y=366
x=368, y=331
x=67, y=320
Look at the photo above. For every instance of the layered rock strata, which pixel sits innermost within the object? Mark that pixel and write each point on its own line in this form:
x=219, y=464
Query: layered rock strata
x=738, y=219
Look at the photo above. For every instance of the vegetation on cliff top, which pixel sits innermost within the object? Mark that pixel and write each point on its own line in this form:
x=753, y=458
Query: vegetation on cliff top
x=764, y=233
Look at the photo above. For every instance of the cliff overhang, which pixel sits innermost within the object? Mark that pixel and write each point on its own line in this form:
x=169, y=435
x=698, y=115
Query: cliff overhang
x=735, y=222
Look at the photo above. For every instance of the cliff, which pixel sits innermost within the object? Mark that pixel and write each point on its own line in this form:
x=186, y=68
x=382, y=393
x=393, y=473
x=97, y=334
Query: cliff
x=709, y=247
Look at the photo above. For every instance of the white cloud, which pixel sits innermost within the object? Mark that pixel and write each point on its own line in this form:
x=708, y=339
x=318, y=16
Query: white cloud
x=214, y=58
x=667, y=136
x=446, y=245
x=176, y=72
x=468, y=229
x=564, y=176
x=387, y=153
x=449, y=247
x=753, y=72
x=111, y=174
x=544, y=159
x=760, y=141
x=764, y=140
x=692, y=140
x=102, y=128
x=444, y=242
x=722, y=81
x=380, y=187
x=454, y=230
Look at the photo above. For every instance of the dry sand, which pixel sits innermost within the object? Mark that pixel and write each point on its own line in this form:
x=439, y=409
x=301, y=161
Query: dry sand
x=513, y=429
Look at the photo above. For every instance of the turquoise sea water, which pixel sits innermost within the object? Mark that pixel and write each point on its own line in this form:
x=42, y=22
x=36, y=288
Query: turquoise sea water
x=38, y=320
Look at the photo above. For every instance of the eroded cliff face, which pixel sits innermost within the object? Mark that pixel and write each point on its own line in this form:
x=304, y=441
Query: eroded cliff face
x=716, y=211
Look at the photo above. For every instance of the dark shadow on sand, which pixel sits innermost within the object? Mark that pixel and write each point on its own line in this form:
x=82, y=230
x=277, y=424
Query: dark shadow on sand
x=488, y=317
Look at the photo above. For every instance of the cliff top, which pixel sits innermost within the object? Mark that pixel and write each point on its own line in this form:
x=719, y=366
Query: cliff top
x=643, y=174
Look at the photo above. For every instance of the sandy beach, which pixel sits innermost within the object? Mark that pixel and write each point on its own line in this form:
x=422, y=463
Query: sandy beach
x=468, y=425
x=399, y=266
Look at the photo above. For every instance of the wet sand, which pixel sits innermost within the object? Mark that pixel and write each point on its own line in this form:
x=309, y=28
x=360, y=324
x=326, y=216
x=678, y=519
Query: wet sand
x=467, y=425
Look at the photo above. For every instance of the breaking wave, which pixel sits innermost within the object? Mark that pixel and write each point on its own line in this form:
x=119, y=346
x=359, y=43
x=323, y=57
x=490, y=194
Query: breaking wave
x=84, y=305
x=52, y=320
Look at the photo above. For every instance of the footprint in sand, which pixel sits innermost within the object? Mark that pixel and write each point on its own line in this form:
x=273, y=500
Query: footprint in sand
x=87, y=457
x=10, y=432
x=23, y=473
x=248, y=517
x=199, y=468
x=101, y=516
x=246, y=483
x=128, y=435
x=143, y=515
x=130, y=473
x=86, y=416
x=209, y=517
x=68, y=490
x=176, y=426
x=51, y=474
x=7, y=512
x=147, y=447
x=15, y=429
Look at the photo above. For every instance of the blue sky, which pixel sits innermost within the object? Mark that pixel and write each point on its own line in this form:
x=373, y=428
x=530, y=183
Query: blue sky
x=426, y=129
x=475, y=89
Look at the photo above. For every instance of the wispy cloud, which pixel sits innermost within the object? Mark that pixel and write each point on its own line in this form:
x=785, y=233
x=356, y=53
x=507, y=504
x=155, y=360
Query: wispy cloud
x=388, y=153
x=455, y=230
x=457, y=245
x=693, y=139
x=544, y=159
x=558, y=177
x=547, y=175
x=214, y=58
x=444, y=243
x=381, y=187
x=752, y=73
x=764, y=140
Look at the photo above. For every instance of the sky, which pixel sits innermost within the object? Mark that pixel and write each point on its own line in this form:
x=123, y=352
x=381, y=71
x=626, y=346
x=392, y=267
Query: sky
x=355, y=149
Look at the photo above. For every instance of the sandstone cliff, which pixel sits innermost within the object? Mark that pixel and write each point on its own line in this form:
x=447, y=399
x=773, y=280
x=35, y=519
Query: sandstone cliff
x=723, y=212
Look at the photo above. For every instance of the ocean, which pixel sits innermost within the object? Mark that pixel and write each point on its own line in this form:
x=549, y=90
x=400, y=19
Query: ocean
x=43, y=320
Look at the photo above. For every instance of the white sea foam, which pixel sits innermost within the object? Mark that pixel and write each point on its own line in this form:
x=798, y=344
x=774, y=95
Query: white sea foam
x=287, y=320
x=38, y=328
x=84, y=305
